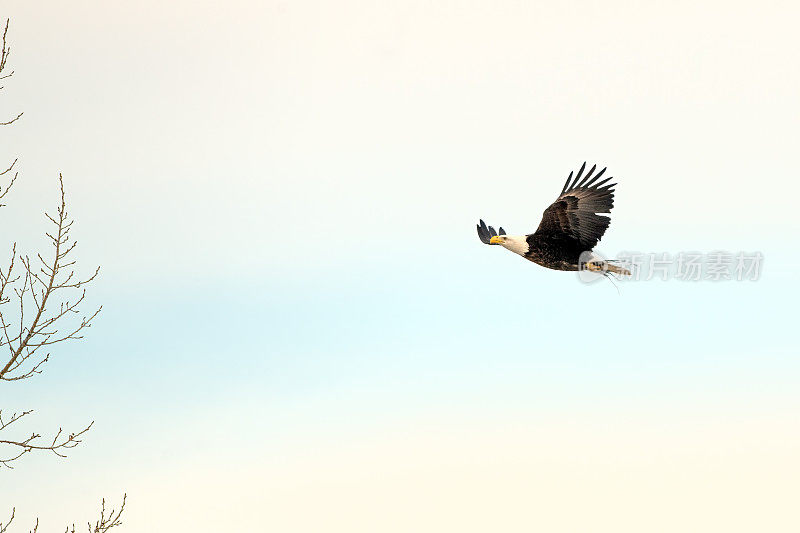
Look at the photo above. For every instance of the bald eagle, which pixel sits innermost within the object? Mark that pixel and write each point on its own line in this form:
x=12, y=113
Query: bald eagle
x=570, y=227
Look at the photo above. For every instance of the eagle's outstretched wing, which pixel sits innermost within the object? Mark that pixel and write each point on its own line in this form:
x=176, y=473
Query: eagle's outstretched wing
x=573, y=216
x=485, y=233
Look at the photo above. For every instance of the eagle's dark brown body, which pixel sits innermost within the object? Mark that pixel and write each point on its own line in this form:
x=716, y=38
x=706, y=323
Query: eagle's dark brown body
x=554, y=255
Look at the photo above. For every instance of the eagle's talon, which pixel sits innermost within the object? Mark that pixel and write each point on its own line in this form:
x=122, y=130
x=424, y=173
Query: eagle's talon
x=595, y=266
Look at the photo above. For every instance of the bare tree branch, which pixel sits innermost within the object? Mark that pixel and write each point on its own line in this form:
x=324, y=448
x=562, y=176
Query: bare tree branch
x=108, y=519
x=4, y=527
x=37, y=285
x=5, y=51
x=60, y=443
x=105, y=522
x=39, y=307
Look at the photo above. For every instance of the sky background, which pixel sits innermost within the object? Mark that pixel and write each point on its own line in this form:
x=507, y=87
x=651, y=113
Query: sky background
x=301, y=331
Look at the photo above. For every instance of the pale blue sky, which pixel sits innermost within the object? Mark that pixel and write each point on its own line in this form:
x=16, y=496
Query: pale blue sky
x=283, y=196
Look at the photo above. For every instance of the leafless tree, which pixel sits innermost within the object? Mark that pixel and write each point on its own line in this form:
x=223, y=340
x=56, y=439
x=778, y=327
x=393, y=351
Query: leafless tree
x=39, y=307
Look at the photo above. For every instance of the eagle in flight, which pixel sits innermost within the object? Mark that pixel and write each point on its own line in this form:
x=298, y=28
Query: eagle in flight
x=570, y=227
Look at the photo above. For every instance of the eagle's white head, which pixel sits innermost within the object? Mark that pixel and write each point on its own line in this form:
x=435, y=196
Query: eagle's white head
x=515, y=243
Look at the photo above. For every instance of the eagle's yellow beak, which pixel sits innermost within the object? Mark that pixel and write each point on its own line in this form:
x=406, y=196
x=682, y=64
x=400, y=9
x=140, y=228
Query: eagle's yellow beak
x=496, y=240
